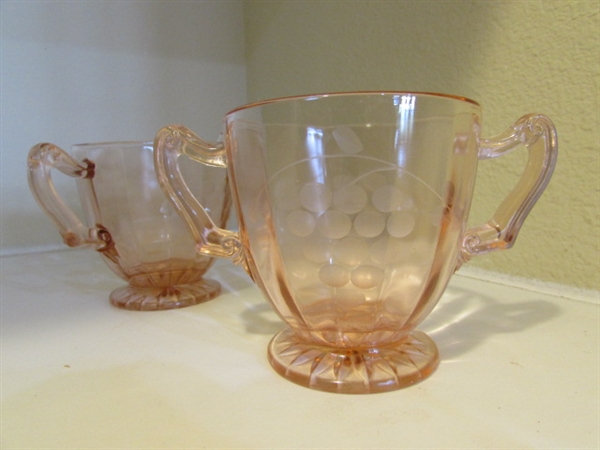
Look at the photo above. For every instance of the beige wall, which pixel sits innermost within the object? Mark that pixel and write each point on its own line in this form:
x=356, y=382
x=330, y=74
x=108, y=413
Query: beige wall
x=514, y=57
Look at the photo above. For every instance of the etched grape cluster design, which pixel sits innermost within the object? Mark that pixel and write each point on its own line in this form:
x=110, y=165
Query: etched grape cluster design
x=346, y=220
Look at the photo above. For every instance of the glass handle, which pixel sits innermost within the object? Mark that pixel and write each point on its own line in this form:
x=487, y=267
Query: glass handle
x=537, y=133
x=171, y=142
x=42, y=159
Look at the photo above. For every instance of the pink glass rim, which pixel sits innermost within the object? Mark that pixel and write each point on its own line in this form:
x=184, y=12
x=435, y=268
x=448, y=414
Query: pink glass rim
x=350, y=94
x=114, y=144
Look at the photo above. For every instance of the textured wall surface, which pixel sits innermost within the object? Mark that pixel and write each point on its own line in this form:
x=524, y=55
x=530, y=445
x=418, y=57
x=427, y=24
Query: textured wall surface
x=514, y=57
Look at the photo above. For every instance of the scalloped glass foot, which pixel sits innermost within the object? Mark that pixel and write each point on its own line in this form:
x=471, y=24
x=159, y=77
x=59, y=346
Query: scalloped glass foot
x=354, y=371
x=157, y=298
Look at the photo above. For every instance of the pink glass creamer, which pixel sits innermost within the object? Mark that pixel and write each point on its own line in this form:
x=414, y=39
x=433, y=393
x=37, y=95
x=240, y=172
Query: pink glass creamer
x=352, y=211
x=130, y=221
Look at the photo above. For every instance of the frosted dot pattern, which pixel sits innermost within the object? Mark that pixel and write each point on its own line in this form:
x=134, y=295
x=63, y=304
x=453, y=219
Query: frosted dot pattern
x=367, y=277
x=401, y=223
x=348, y=140
x=389, y=198
x=355, y=223
x=315, y=197
x=301, y=223
x=334, y=275
x=350, y=199
x=334, y=224
x=369, y=223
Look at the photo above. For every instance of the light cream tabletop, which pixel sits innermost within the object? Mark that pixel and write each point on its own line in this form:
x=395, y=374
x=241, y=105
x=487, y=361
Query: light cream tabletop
x=519, y=369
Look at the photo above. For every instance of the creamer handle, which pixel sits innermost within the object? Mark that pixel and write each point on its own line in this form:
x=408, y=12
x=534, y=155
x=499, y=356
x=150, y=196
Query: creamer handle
x=42, y=159
x=170, y=143
x=537, y=133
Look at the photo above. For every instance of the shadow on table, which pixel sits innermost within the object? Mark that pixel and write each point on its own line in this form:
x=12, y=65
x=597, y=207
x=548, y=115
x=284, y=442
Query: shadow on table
x=261, y=319
x=464, y=319
x=461, y=321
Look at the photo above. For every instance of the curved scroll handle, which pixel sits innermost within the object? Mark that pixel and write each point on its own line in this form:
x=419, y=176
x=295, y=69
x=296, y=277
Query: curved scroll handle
x=171, y=142
x=538, y=134
x=41, y=160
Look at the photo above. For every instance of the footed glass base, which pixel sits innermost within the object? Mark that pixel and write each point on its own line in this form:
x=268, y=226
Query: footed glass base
x=354, y=371
x=159, y=298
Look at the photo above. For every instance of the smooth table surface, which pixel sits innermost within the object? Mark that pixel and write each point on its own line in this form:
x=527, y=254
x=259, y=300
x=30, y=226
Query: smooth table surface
x=519, y=369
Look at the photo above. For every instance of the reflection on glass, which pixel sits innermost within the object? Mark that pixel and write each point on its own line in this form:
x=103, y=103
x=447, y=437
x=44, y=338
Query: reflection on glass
x=406, y=109
x=314, y=148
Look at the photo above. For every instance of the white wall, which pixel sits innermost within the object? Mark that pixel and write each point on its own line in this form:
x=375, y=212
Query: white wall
x=93, y=71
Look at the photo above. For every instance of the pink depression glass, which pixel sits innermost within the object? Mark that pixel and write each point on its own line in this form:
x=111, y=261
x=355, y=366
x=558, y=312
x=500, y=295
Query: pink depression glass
x=130, y=222
x=353, y=211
